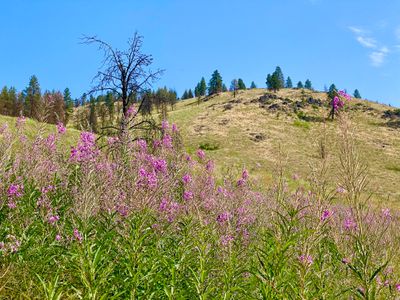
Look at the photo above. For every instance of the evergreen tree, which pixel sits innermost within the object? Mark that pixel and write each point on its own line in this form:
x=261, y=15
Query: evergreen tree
x=280, y=80
x=109, y=102
x=215, y=84
x=203, y=87
x=269, y=82
x=32, y=103
x=332, y=92
x=241, y=85
x=190, y=94
x=300, y=85
x=185, y=95
x=69, y=105
x=253, y=85
x=357, y=94
x=308, y=84
x=147, y=103
x=92, y=114
x=224, y=88
x=13, y=102
x=289, y=83
x=172, y=98
x=3, y=100
x=197, y=90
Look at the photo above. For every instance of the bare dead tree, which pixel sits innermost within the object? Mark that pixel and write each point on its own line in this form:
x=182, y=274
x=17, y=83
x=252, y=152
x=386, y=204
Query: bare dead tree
x=125, y=73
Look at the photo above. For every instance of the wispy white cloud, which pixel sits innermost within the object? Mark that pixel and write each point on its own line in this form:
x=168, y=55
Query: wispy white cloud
x=366, y=41
x=377, y=57
x=379, y=53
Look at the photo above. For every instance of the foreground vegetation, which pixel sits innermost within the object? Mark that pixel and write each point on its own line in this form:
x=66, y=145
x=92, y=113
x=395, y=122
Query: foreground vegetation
x=145, y=220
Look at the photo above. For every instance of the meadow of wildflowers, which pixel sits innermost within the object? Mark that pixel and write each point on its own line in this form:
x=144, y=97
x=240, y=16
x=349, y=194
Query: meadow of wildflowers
x=142, y=219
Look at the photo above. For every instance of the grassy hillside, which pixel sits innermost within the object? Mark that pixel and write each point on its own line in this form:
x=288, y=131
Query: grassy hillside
x=248, y=131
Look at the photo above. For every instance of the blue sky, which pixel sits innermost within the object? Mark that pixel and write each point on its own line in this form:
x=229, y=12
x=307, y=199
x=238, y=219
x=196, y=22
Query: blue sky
x=353, y=43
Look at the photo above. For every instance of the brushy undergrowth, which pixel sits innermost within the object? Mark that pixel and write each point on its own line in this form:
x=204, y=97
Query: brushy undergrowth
x=144, y=220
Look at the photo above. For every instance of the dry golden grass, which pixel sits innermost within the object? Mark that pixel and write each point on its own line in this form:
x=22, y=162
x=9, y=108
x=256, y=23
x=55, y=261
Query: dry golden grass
x=249, y=136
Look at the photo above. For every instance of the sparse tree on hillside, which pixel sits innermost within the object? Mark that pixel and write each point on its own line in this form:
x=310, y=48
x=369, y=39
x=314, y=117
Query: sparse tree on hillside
x=234, y=87
x=184, y=95
x=125, y=73
x=93, y=114
x=69, y=105
x=147, y=100
x=224, y=88
x=300, y=85
x=289, y=83
x=203, y=87
x=357, y=94
x=308, y=85
x=253, y=85
x=190, y=94
x=280, y=80
x=215, y=85
x=32, y=101
x=241, y=85
x=332, y=92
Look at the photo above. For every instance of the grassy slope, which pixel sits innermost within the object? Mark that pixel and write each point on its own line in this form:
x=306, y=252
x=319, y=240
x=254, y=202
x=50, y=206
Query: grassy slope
x=233, y=130
x=32, y=128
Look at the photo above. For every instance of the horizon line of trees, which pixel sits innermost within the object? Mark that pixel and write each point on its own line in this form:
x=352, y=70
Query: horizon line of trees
x=56, y=106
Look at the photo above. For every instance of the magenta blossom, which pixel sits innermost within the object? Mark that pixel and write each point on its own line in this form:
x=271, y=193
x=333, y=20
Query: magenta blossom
x=306, y=260
x=15, y=190
x=222, y=218
x=61, y=128
x=201, y=154
x=53, y=219
x=186, y=179
x=326, y=214
x=188, y=195
x=77, y=235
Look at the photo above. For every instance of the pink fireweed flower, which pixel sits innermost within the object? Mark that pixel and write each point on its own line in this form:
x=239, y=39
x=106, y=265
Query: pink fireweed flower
x=61, y=128
x=224, y=217
x=306, y=260
x=174, y=128
x=187, y=195
x=77, y=235
x=386, y=213
x=345, y=260
x=15, y=190
x=3, y=128
x=344, y=95
x=142, y=144
x=326, y=214
x=167, y=141
x=50, y=142
x=131, y=111
x=53, y=219
x=160, y=165
x=227, y=239
x=186, y=179
x=11, y=204
x=349, y=224
x=210, y=166
x=86, y=149
x=58, y=237
x=20, y=122
x=340, y=190
x=245, y=174
x=164, y=125
x=295, y=177
x=112, y=140
x=397, y=287
x=47, y=189
x=201, y=154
